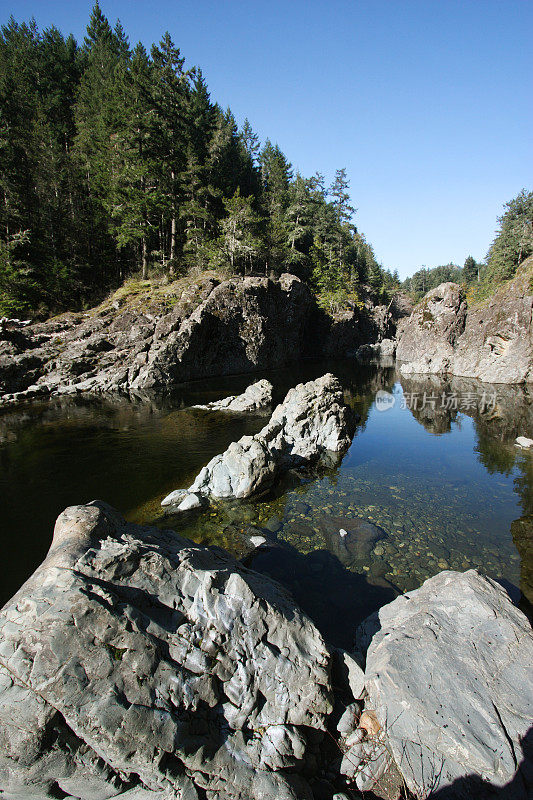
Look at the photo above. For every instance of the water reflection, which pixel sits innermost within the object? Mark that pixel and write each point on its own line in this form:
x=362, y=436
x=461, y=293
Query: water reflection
x=420, y=490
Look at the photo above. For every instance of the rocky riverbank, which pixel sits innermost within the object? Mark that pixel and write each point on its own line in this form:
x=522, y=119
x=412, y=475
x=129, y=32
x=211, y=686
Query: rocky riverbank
x=491, y=341
x=205, y=328
x=137, y=664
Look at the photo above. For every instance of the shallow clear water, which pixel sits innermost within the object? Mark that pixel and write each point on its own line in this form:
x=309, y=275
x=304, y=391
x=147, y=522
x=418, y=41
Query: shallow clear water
x=418, y=491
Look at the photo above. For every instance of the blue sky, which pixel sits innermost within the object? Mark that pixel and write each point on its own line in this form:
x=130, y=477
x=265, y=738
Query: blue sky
x=427, y=103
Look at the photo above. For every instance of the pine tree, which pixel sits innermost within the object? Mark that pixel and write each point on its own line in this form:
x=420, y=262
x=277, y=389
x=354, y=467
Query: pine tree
x=239, y=232
x=98, y=115
x=343, y=215
x=170, y=94
x=299, y=216
x=134, y=201
x=513, y=242
x=276, y=175
x=470, y=270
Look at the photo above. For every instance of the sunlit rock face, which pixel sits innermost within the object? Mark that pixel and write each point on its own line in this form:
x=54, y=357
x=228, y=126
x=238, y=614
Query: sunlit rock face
x=311, y=422
x=427, y=339
x=492, y=341
x=133, y=658
x=448, y=673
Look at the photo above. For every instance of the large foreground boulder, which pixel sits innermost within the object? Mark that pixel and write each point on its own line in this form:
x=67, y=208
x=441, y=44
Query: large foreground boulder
x=448, y=673
x=137, y=664
x=311, y=421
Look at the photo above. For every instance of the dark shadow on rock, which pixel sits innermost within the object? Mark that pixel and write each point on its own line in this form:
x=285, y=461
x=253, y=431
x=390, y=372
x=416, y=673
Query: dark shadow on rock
x=335, y=598
x=472, y=786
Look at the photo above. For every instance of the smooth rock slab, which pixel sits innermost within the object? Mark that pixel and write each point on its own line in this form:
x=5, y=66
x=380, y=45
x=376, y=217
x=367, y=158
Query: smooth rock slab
x=136, y=659
x=255, y=397
x=449, y=674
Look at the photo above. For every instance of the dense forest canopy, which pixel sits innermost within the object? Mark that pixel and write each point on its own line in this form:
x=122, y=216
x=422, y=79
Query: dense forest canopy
x=116, y=160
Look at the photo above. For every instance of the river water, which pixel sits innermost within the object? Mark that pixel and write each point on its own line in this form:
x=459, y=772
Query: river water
x=432, y=481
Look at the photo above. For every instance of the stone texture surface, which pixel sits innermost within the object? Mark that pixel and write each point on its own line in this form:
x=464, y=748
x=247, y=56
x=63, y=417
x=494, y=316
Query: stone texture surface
x=497, y=344
x=492, y=341
x=448, y=672
x=216, y=328
x=311, y=421
x=258, y=396
x=136, y=664
x=427, y=339
x=384, y=349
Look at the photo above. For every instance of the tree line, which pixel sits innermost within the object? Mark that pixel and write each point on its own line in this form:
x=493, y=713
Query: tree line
x=512, y=244
x=115, y=161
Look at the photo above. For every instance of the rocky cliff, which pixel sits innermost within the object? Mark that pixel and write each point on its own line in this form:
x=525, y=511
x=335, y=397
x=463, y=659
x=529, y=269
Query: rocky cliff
x=209, y=328
x=491, y=341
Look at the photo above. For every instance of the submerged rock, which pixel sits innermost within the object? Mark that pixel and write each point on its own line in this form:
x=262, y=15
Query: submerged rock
x=311, y=421
x=136, y=663
x=522, y=533
x=448, y=672
x=351, y=539
x=257, y=396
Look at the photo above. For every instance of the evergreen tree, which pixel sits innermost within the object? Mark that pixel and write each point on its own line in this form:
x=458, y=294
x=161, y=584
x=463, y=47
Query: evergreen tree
x=112, y=156
x=513, y=242
x=470, y=270
x=299, y=220
x=276, y=174
x=343, y=216
x=98, y=114
x=134, y=200
x=239, y=232
x=170, y=93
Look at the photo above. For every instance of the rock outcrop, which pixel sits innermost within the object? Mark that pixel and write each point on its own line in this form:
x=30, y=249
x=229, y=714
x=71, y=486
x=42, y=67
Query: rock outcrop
x=492, y=342
x=137, y=664
x=427, y=340
x=209, y=328
x=383, y=349
x=448, y=674
x=258, y=396
x=311, y=421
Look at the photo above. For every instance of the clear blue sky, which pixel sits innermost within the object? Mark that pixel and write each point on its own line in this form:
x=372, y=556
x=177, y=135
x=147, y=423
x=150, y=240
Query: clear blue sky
x=427, y=103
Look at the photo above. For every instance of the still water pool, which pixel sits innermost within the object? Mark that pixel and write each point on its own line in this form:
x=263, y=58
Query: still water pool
x=421, y=489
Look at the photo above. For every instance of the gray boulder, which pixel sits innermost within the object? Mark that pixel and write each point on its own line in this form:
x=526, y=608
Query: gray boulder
x=135, y=663
x=257, y=396
x=448, y=673
x=311, y=421
x=383, y=349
